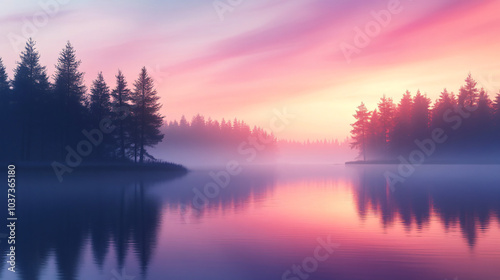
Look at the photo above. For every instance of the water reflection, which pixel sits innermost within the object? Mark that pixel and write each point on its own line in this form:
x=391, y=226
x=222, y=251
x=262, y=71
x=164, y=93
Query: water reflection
x=108, y=210
x=111, y=211
x=251, y=186
x=467, y=196
x=122, y=222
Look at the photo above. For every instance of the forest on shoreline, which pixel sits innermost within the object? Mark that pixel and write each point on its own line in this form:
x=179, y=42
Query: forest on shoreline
x=46, y=119
x=461, y=127
x=59, y=119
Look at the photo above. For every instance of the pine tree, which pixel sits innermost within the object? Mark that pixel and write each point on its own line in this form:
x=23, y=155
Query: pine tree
x=374, y=141
x=496, y=122
x=100, y=100
x=485, y=110
x=121, y=110
x=30, y=90
x=482, y=122
x=468, y=93
x=440, y=112
x=496, y=108
x=386, y=117
x=420, y=116
x=401, y=135
x=445, y=103
x=100, y=109
x=69, y=90
x=183, y=123
x=467, y=99
x=198, y=122
x=4, y=82
x=360, y=129
x=5, y=110
x=147, y=119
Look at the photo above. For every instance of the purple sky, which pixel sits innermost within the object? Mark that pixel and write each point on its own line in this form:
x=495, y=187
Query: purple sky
x=259, y=56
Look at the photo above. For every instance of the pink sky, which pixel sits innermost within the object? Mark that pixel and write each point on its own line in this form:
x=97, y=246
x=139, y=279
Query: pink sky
x=267, y=55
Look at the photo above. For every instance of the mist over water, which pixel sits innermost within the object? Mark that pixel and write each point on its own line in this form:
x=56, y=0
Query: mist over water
x=442, y=222
x=108, y=179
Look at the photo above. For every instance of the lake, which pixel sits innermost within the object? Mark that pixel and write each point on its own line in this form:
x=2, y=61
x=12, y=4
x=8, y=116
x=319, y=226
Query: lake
x=271, y=222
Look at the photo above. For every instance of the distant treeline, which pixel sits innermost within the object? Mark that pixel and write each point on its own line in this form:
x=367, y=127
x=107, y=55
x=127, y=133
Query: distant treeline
x=465, y=126
x=210, y=133
x=316, y=151
x=59, y=119
x=206, y=140
x=202, y=140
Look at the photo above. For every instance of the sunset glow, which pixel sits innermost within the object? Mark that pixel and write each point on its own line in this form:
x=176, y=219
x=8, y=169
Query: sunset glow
x=267, y=55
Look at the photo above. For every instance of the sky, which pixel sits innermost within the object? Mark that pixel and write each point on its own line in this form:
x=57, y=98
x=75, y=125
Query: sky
x=315, y=59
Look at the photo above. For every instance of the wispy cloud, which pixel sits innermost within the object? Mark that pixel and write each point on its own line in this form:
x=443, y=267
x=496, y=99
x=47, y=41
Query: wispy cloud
x=271, y=53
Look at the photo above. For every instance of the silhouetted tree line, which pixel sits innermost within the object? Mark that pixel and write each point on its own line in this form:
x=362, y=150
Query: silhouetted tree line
x=44, y=119
x=468, y=125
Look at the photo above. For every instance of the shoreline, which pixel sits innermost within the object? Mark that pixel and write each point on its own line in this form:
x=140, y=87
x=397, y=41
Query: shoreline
x=434, y=162
x=105, y=166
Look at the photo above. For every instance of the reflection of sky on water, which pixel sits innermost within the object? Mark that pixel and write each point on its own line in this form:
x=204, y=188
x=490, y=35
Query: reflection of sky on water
x=443, y=222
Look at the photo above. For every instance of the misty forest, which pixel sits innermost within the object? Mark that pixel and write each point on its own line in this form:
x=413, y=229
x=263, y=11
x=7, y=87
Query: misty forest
x=456, y=128
x=46, y=119
x=251, y=145
x=204, y=140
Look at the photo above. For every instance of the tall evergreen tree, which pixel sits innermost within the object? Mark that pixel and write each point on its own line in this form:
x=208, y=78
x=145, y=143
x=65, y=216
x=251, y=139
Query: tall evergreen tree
x=100, y=109
x=121, y=110
x=496, y=120
x=5, y=93
x=420, y=116
x=147, y=119
x=183, y=123
x=386, y=117
x=445, y=103
x=375, y=140
x=401, y=135
x=468, y=93
x=467, y=98
x=69, y=90
x=5, y=101
x=496, y=110
x=440, y=113
x=30, y=90
x=485, y=109
x=100, y=100
x=482, y=122
x=4, y=82
x=359, y=130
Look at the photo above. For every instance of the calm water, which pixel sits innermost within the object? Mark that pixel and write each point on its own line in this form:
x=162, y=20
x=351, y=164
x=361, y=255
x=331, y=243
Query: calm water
x=442, y=223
